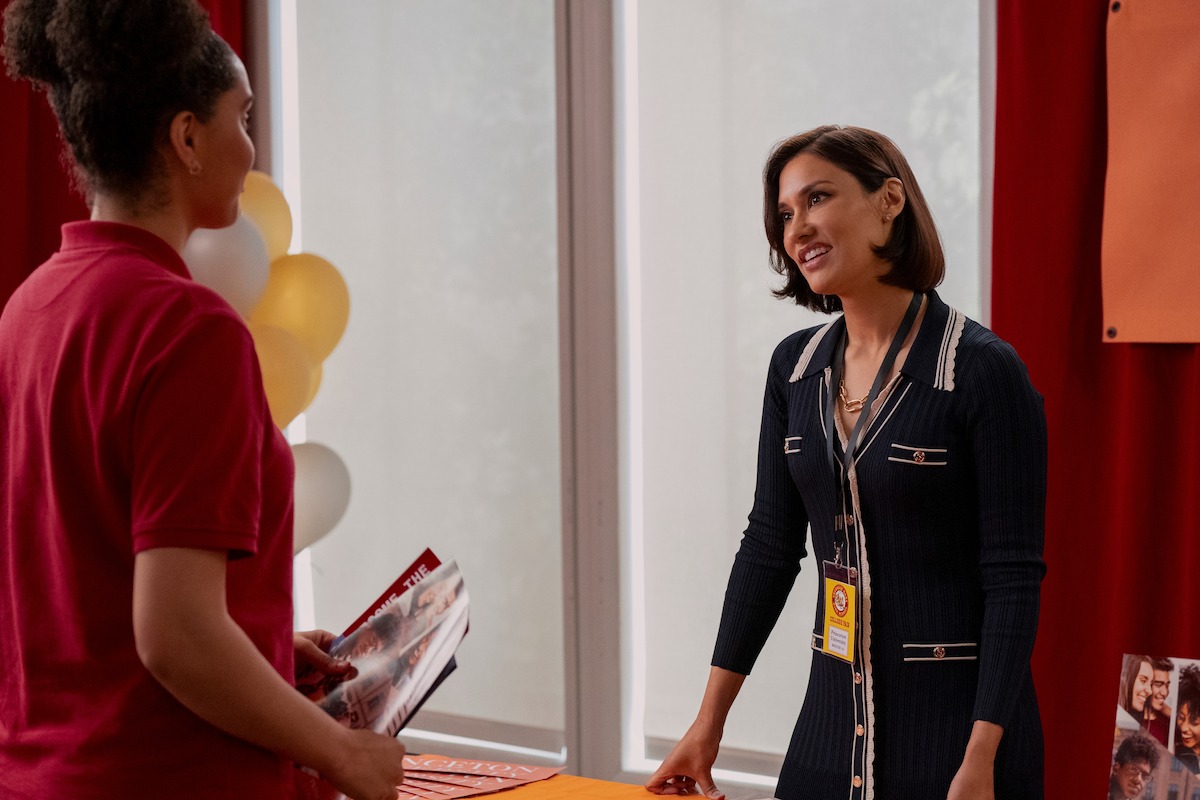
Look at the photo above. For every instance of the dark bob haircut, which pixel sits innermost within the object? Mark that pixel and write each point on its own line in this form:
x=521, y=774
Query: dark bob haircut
x=913, y=248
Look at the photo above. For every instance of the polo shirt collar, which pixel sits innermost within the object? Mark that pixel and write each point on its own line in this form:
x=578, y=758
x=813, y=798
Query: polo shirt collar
x=93, y=234
x=930, y=359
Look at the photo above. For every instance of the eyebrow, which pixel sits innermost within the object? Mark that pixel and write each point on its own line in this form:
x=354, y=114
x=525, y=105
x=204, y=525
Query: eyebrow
x=806, y=189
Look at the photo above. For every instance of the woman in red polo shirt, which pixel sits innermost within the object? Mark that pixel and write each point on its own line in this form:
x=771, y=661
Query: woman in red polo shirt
x=145, y=495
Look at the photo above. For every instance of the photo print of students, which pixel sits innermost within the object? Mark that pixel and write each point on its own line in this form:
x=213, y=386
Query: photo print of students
x=1187, y=718
x=1159, y=699
x=1157, y=718
x=1137, y=677
x=1132, y=768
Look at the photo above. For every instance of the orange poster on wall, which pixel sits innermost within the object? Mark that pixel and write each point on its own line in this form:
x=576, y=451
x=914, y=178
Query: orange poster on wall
x=1150, y=259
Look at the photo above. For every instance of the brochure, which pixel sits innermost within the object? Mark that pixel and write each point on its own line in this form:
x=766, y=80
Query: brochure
x=438, y=777
x=402, y=648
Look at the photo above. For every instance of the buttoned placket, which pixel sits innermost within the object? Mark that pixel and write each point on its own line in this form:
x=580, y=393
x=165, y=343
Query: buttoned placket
x=859, y=778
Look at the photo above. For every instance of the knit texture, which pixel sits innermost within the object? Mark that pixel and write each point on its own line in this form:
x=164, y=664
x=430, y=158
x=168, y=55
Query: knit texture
x=947, y=499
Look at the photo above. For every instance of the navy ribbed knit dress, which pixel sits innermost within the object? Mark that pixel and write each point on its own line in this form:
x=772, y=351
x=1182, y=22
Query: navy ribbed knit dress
x=944, y=512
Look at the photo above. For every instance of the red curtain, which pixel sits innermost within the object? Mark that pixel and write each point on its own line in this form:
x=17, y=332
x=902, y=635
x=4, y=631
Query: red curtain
x=1122, y=513
x=35, y=185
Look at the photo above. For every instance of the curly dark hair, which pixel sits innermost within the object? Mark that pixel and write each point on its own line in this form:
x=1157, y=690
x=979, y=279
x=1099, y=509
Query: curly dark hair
x=913, y=247
x=1137, y=747
x=1189, y=693
x=116, y=73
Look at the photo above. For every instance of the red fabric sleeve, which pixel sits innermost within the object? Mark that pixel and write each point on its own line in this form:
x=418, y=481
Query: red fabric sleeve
x=197, y=442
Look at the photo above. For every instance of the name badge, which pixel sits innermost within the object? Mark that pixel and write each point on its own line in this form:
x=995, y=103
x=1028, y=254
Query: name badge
x=839, y=613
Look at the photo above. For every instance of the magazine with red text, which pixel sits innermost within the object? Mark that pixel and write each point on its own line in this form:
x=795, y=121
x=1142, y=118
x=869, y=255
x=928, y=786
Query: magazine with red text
x=402, y=647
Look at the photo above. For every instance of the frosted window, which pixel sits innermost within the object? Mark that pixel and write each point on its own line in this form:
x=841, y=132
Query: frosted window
x=427, y=173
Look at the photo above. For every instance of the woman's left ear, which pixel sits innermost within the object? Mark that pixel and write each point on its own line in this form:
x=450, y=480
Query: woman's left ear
x=893, y=198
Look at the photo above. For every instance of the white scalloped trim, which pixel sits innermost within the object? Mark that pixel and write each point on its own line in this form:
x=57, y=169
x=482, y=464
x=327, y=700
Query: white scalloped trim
x=864, y=588
x=807, y=354
x=944, y=374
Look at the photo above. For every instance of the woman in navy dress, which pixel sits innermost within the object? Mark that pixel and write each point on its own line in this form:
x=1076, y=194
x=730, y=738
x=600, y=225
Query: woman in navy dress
x=910, y=442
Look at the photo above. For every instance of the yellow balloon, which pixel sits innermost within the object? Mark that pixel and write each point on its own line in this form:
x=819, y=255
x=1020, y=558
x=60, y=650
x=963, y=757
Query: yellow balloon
x=307, y=297
x=286, y=371
x=314, y=384
x=264, y=204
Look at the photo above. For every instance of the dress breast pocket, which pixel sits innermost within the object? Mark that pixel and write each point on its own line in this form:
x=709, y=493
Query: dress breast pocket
x=918, y=456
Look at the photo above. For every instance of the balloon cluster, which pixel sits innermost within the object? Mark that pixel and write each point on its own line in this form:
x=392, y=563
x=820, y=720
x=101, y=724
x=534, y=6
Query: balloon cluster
x=296, y=307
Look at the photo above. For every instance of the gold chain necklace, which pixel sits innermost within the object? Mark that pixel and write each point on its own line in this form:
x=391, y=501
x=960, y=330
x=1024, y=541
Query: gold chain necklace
x=851, y=406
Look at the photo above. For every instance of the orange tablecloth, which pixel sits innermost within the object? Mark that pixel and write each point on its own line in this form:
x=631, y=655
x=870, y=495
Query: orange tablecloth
x=569, y=786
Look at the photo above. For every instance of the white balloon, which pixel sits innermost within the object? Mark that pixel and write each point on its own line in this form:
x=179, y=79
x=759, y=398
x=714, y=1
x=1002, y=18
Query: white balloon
x=322, y=492
x=231, y=261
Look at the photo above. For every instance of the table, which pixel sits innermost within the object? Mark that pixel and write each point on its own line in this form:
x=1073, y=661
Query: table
x=573, y=787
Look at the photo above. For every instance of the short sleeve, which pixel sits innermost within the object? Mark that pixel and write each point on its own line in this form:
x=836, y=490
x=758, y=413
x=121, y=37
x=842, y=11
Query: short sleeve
x=197, y=441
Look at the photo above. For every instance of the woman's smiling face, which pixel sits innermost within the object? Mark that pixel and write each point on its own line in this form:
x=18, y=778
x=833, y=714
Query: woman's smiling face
x=1189, y=727
x=1141, y=686
x=831, y=225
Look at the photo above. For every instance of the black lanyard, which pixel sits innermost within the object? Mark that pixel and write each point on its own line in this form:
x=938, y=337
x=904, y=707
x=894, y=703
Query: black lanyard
x=835, y=379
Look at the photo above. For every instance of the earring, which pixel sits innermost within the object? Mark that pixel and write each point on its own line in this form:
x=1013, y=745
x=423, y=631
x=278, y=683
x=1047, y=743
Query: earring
x=887, y=217
x=194, y=168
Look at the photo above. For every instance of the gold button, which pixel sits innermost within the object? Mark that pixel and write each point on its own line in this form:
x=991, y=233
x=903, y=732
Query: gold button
x=939, y=652
x=859, y=730
x=858, y=677
x=919, y=456
x=857, y=781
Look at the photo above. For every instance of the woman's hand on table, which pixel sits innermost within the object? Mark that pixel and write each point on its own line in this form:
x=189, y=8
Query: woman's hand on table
x=687, y=769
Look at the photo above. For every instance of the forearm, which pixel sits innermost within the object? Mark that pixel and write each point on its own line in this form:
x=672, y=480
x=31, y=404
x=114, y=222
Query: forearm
x=983, y=744
x=190, y=644
x=976, y=777
x=212, y=668
x=720, y=692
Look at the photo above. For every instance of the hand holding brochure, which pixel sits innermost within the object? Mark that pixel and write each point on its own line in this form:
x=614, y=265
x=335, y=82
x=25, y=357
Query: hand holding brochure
x=402, y=647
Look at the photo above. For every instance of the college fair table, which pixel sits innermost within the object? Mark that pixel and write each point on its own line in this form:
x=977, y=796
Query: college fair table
x=445, y=777
x=569, y=786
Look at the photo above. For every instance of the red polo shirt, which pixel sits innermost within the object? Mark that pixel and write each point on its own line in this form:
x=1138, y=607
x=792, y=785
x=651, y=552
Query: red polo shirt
x=132, y=416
